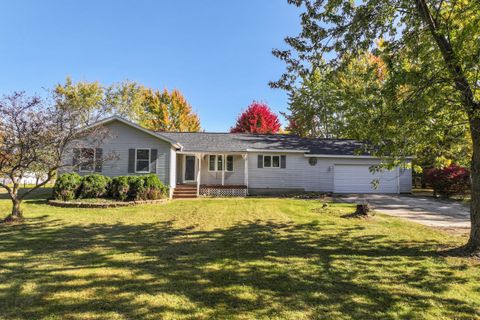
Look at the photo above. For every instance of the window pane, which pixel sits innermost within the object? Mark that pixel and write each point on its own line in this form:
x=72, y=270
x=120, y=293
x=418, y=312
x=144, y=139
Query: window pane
x=211, y=163
x=87, y=156
x=229, y=163
x=143, y=166
x=276, y=161
x=267, y=161
x=143, y=154
x=219, y=163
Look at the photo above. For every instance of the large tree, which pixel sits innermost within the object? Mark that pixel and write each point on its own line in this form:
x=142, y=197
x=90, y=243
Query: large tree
x=257, y=118
x=35, y=136
x=431, y=49
x=168, y=111
x=161, y=111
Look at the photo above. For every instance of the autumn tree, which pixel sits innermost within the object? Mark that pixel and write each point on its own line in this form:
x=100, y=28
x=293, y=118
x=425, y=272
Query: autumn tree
x=168, y=111
x=431, y=51
x=34, y=138
x=161, y=111
x=257, y=118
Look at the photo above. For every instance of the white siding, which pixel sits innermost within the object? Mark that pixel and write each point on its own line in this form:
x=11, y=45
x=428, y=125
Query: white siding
x=291, y=177
x=231, y=178
x=299, y=174
x=122, y=137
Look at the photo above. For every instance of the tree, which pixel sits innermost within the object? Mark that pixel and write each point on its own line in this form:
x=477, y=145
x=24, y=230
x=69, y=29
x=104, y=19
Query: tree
x=168, y=111
x=34, y=138
x=258, y=118
x=431, y=51
x=161, y=111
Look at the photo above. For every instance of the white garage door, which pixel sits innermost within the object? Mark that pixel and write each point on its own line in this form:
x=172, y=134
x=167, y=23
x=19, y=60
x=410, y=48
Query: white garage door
x=350, y=178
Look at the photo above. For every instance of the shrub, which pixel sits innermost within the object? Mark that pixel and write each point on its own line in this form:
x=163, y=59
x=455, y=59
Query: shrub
x=66, y=187
x=136, y=189
x=119, y=188
x=154, y=188
x=448, y=181
x=94, y=186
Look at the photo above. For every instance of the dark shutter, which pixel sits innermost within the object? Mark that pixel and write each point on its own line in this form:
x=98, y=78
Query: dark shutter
x=131, y=160
x=98, y=159
x=153, y=160
x=260, y=161
x=76, y=158
x=283, y=162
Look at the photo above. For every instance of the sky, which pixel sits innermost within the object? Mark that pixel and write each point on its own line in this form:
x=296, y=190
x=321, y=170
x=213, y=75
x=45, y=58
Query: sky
x=217, y=53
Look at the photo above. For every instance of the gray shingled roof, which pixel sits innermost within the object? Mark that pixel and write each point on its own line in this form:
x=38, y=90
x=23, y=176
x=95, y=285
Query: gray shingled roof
x=240, y=142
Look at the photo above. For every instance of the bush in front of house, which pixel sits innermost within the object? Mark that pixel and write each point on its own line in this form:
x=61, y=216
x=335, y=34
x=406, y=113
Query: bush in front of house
x=136, y=188
x=70, y=186
x=145, y=187
x=449, y=181
x=94, y=186
x=119, y=188
x=66, y=186
x=154, y=188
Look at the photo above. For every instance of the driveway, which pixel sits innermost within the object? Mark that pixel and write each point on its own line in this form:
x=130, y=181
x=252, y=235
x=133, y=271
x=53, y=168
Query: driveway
x=425, y=210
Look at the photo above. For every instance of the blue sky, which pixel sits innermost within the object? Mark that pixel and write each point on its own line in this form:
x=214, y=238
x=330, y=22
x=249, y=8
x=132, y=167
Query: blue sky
x=218, y=53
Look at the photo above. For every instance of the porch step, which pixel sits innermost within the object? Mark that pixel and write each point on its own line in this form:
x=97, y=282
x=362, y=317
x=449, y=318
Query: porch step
x=183, y=191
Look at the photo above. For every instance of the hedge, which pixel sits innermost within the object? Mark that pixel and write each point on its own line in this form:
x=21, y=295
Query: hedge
x=71, y=186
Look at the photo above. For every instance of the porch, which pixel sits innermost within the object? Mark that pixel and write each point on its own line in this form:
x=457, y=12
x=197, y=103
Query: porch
x=215, y=175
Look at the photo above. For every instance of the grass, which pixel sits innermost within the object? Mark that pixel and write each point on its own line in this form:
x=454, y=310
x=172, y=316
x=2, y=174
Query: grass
x=229, y=259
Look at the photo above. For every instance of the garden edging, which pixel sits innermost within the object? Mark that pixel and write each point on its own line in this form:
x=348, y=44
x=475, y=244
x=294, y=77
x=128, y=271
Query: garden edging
x=68, y=204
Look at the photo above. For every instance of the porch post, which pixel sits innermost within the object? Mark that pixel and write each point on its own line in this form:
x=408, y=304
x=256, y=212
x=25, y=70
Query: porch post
x=245, y=174
x=223, y=169
x=199, y=157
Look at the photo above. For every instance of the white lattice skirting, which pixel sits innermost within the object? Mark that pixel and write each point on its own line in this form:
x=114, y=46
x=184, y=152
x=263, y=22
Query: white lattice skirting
x=211, y=191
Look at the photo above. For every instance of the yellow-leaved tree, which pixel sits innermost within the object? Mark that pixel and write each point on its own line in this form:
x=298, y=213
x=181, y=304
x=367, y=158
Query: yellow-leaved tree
x=168, y=111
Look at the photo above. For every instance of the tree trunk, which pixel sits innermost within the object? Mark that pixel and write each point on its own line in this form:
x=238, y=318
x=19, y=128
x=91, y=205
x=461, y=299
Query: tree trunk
x=473, y=245
x=16, y=215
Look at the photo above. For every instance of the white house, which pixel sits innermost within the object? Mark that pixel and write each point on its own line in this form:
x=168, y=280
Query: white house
x=199, y=163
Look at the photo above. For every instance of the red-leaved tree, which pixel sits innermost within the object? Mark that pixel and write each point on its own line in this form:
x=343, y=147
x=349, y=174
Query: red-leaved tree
x=258, y=118
x=448, y=181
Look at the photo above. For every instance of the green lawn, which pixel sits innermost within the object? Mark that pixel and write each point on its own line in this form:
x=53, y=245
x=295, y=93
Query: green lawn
x=229, y=259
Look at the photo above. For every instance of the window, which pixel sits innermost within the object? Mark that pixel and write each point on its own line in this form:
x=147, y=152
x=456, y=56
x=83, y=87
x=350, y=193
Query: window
x=215, y=163
x=142, y=161
x=87, y=159
x=271, y=161
x=229, y=166
x=211, y=162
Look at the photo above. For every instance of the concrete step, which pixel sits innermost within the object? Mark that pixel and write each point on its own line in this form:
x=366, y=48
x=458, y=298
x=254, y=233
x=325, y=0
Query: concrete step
x=184, y=196
x=185, y=192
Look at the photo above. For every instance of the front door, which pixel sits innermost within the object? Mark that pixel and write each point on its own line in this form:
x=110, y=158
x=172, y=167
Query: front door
x=189, y=168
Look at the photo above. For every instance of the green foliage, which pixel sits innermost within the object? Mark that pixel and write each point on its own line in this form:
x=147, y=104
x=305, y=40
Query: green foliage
x=119, y=188
x=161, y=111
x=136, y=188
x=388, y=78
x=145, y=187
x=154, y=188
x=94, y=186
x=67, y=186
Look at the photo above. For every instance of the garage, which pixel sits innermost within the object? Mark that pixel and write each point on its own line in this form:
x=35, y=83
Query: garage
x=354, y=178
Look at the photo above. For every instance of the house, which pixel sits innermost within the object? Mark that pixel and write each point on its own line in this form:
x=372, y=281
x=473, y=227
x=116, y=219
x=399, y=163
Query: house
x=226, y=164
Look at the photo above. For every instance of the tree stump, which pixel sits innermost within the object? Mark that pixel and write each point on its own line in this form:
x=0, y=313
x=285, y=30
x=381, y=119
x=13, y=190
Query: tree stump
x=363, y=210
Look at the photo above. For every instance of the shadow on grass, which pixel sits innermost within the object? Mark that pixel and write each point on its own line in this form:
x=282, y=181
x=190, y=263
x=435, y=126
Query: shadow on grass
x=256, y=268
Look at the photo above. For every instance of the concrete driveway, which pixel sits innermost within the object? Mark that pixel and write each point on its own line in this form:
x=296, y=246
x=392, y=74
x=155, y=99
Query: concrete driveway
x=425, y=210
